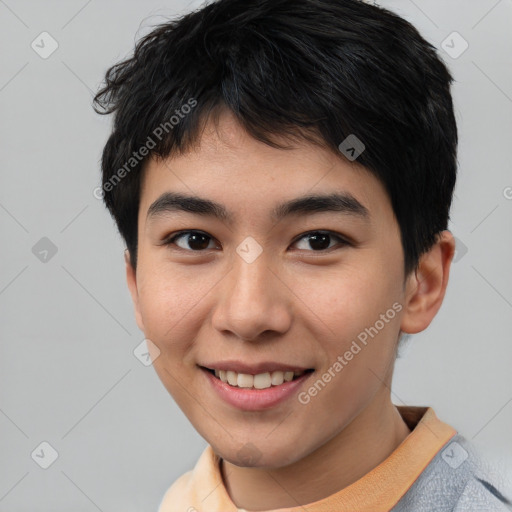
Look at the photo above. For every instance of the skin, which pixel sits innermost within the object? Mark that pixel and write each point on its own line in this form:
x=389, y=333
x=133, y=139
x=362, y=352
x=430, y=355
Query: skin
x=294, y=304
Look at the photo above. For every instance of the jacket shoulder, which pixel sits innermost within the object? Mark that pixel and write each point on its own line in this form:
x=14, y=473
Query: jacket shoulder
x=456, y=480
x=480, y=495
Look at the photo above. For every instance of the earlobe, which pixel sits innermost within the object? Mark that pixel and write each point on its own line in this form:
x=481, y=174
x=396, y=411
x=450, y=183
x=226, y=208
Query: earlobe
x=426, y=287
x=131, y=280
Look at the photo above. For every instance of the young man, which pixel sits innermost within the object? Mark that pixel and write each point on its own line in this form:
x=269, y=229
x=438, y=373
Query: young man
x=282, y=173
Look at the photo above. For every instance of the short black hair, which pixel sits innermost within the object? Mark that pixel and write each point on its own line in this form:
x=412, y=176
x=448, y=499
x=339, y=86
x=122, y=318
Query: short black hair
x=316, y=70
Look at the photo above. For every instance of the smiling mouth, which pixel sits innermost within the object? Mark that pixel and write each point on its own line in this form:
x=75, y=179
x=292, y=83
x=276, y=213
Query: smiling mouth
x=259, y=381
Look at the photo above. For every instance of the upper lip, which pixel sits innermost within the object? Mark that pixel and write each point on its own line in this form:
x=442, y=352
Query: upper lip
x=253, y=369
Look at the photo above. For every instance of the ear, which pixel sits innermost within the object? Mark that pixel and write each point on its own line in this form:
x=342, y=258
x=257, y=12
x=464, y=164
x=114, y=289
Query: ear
x=131, y=279
x=426, y=287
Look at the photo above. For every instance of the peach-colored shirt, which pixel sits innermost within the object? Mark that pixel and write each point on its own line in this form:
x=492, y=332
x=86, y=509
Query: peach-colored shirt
x=203, y=490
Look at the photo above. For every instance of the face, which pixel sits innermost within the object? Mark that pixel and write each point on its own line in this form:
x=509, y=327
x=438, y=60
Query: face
x=296, y=290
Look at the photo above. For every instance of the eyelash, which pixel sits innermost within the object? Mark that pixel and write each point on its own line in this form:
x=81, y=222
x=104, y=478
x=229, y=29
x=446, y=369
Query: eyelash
x=170, y=240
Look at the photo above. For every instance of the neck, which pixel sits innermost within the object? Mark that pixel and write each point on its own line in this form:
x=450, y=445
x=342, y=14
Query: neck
x=361, y=446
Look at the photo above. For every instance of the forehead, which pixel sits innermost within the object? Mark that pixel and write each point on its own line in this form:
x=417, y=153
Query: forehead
x=229, y=173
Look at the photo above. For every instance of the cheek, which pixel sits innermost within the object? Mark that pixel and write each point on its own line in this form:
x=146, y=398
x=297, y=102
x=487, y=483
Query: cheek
x=172, y=307
x=163, y=305
x=358, y=321
x=346, y=301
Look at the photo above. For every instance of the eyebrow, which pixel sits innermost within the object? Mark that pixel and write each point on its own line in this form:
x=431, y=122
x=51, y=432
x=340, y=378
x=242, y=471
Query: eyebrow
x=344, y=203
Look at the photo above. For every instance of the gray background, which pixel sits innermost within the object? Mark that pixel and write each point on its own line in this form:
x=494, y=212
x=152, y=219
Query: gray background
x=67, y=368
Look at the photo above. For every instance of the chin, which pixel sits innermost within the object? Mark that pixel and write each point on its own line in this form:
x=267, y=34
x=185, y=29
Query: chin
x=259, y=455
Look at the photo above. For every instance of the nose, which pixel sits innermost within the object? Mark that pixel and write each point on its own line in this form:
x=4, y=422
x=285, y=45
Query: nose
x=253, y=302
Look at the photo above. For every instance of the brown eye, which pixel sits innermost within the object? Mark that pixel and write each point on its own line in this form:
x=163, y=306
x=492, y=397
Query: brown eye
x=320, y=240
x=195, y=240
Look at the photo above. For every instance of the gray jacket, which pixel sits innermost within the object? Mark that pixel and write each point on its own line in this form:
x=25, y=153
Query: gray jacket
x=455, y=481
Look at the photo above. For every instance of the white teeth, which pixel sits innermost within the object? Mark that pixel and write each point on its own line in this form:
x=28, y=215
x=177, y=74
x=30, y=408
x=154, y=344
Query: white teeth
x=288, y=376
x=245, y=380
x=231, y=378
x=259, y=381
x=277, y=378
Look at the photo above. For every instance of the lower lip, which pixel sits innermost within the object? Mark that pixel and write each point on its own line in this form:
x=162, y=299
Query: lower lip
x=249, y=399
